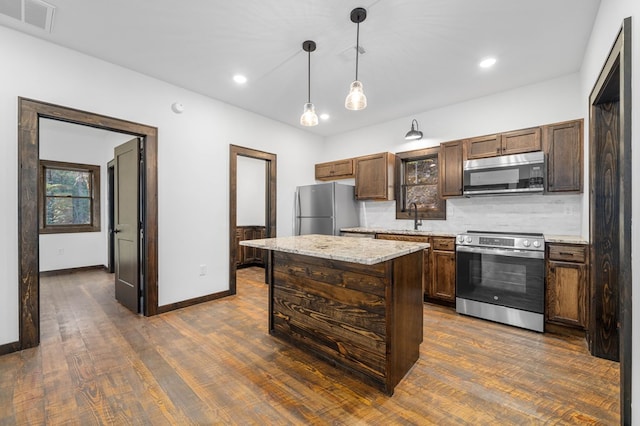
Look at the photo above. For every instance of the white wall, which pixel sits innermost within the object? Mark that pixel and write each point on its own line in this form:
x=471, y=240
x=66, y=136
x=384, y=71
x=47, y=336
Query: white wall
x=548, y=102
x=251, y=199
x=61, y=141
x=193, y=161
x=604, y=33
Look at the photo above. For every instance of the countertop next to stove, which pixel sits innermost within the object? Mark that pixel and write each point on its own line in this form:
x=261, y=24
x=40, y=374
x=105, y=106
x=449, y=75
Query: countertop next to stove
x=566, y=239
x=361, y=230
x=548, y=238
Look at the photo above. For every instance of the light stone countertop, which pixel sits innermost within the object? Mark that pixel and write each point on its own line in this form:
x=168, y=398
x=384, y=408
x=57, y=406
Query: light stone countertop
x=567, y=239
x=359, y=230
x=548, y=238
x=357, y=250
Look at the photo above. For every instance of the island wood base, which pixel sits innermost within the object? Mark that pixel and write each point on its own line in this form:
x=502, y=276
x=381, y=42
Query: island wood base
x=366, y=319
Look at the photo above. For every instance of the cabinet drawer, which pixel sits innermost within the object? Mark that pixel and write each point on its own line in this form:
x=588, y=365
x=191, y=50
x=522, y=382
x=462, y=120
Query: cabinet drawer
x=568, y=253
x=398, y=237
x=443, y=243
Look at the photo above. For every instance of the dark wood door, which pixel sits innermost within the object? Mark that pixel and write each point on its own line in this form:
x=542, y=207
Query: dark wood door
x=127, y=221
x=374, y=177
x=443, y=283
x=563, y=144
x=483, y=146
x=451, y=169
x=605, y=233
x=519, y=141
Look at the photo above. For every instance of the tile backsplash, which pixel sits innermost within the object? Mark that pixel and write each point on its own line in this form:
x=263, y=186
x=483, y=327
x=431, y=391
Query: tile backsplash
x=549, y=214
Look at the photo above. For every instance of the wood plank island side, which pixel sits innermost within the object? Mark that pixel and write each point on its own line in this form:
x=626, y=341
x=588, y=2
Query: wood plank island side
x=363, y=318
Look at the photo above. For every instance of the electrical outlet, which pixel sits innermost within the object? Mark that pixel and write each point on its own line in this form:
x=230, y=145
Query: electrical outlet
x=203, y=270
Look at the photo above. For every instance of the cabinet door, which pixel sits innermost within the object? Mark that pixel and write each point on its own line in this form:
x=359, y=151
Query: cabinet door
x=374, y=177
x=567, y=300
x=426, y=270
x=443, y=283
x=450, y=163
x=342, y=169
x=240, y=250
x=563, y=144
x=519, y=141
x=249, y=252
x=483, y=146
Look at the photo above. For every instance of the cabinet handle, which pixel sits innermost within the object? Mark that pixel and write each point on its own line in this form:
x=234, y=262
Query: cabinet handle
x=566, y=253
x=498, y=150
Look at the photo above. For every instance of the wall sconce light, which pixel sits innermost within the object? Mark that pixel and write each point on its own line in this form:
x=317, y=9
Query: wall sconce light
x=356, y=100
x=414, y=134
x=309, y=116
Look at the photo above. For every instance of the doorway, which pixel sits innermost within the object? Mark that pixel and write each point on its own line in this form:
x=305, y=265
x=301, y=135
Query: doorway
x=269, y=201
x=610, y=213
x=29, y=114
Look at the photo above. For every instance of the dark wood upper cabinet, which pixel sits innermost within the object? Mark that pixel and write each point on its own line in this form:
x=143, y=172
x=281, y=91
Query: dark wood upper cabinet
x=515, y=142
x=519, y=141
x=563, y=143
x=450, y=162
x=334, y=170
x=483, y=146
x=374, y=176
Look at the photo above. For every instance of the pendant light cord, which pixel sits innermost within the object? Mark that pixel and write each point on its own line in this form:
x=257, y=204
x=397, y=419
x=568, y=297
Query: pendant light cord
x=357, y=47
x=309, y=78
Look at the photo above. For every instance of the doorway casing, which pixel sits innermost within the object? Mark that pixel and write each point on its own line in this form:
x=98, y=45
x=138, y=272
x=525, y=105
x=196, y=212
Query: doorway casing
x=270, y=201
x=610, y=191
x=29, y=113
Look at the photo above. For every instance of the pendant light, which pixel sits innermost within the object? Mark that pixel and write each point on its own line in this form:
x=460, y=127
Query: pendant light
x=414, y=134
x=309, y=116
x=356, y=100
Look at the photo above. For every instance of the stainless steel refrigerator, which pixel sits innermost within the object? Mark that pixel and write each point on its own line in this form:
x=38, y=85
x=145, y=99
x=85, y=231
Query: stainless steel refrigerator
x=325, y=208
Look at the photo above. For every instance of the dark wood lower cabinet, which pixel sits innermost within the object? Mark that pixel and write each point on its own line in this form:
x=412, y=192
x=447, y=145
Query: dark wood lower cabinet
x=443, y=266
x=366, y=319
x=249, y=256
x=439, y=269
x=567, y=285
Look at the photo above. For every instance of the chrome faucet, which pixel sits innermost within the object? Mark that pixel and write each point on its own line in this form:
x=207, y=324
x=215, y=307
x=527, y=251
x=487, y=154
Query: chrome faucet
x=416, y=222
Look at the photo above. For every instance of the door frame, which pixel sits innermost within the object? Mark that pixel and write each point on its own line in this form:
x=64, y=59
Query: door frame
x=617, y=68
x=29, y=113
x=270, y=201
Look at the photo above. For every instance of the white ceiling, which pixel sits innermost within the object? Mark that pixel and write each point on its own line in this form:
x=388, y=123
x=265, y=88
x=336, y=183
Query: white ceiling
x=420, y=54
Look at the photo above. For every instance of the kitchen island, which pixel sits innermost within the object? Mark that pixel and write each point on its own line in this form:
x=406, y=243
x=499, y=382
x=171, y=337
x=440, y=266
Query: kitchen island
x=356, y=303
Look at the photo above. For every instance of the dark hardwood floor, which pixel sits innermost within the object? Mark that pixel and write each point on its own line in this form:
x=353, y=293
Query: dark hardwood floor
x=215, y=363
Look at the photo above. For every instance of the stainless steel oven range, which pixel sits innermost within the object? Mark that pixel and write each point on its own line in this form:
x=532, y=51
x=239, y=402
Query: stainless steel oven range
x=500, y=277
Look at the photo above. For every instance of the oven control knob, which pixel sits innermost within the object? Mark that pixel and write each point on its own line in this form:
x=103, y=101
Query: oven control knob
x=460, y=239
x=468, y=239
x=526, y=243
x=536, y=243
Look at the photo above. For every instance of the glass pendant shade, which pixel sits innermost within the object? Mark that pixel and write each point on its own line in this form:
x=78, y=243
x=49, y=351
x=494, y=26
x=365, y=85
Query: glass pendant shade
x=309, y=116
x=356, y=100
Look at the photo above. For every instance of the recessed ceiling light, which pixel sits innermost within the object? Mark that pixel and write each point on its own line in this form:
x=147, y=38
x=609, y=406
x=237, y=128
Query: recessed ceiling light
x=240, y=79
x=487, y=63
x=324, y=116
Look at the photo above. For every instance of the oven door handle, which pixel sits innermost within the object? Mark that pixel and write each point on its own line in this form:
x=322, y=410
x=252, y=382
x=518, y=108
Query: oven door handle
x=529, y=254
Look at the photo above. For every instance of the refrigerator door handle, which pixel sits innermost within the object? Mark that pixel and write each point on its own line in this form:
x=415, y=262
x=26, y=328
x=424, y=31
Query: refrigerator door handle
x=298, y=222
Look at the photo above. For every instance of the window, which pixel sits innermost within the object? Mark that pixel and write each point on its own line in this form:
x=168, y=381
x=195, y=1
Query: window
x=417, y=180
x=69, y=197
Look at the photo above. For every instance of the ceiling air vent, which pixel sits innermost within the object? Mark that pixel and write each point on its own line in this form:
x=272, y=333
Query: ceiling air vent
x=33, y=12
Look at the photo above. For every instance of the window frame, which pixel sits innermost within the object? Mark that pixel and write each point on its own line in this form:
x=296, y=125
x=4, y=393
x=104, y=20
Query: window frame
x=408, y=156
x=94, y=173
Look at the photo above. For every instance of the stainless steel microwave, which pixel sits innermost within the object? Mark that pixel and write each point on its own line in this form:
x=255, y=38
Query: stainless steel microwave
x=505, y=175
